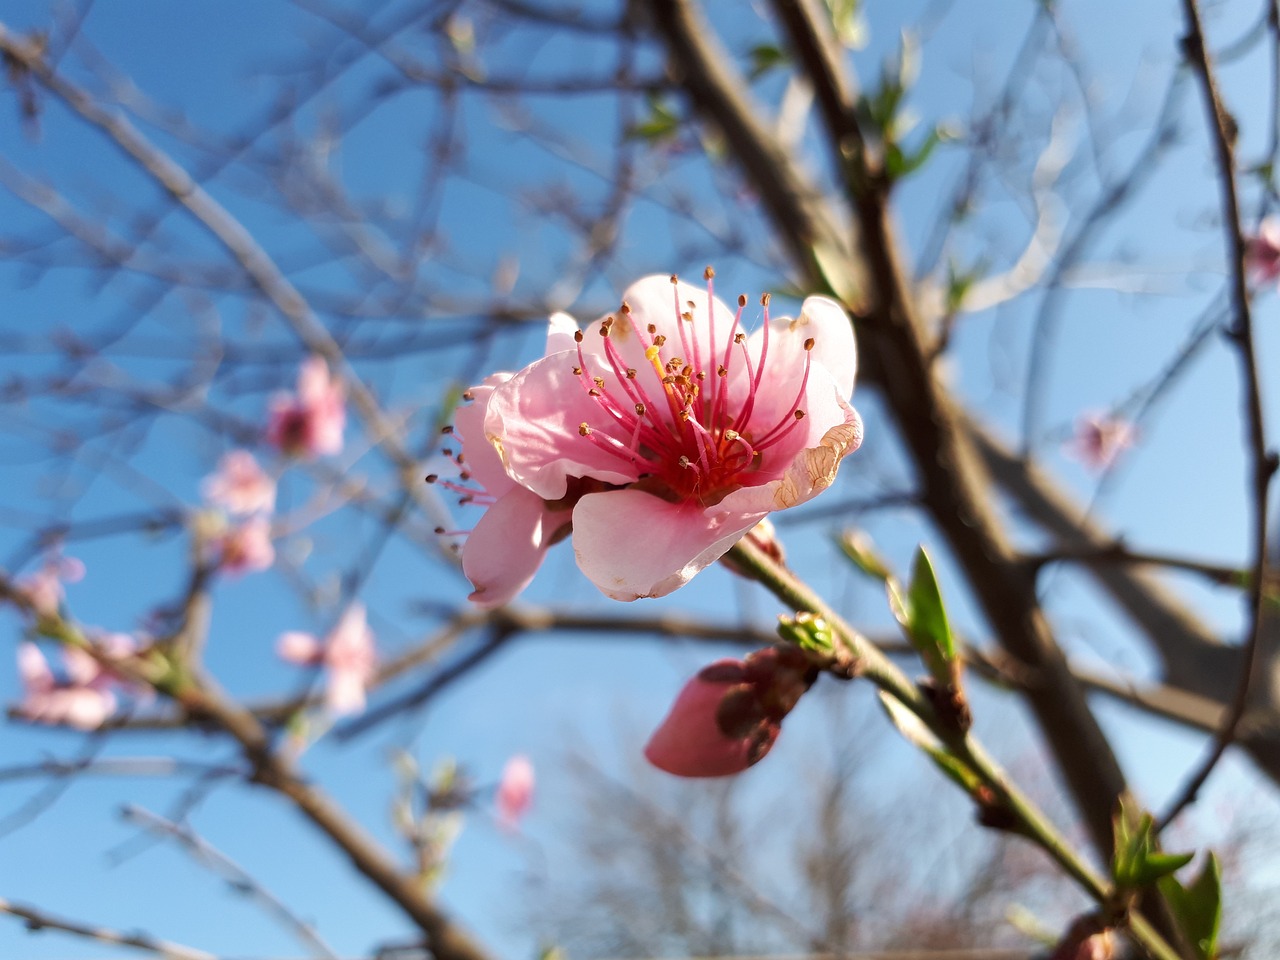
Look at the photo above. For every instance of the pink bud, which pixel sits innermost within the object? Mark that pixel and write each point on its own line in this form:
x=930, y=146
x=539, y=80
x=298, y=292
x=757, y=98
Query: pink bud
x=515, y=791
x=729, y=715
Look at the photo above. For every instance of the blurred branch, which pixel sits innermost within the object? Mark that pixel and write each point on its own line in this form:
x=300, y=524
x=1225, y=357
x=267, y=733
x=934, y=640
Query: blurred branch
x=38, y=920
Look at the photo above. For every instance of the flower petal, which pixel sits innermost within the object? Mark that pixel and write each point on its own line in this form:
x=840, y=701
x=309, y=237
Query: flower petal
x=560, y=330
x=653, y=302
x=482, y=459
x=294, y=646
x=33, y=669
x=689, y=742
x=506, y=547
x=811, y=472
x=632, y=544
x=533, y=422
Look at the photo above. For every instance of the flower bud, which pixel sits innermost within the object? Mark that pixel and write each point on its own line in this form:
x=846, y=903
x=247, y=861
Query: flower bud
x=729, y=715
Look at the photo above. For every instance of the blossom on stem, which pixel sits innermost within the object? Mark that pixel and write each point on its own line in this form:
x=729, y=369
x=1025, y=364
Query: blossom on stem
x=240, y=486
x=660, y=437
x=246, y=547
x=1100, y=438
x=346, y=654
x=514, y=795
x=729, y=715
x=43, y=588
x=82, y=697
x=309, y=423
x=1262, y=251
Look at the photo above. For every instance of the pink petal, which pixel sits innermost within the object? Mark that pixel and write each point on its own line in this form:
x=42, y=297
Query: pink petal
x=506, y=547
x=33, y=669
x=345, y=692
x=70, y=569
x=82, y=669
x=313, y=380
x=533, y=422
x=689, y=742
x=653, y=302
x=297, y=647
x=86, y=708
x=482, y=460
x=560, y=330
x=515, y=791
x=812, y=471
x=349, y=647
x=632, y=544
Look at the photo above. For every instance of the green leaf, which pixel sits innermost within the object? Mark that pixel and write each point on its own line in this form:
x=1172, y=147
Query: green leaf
x=765, y=57
x=1198, y=908
x=1136, y=862
x=916, y=733
x=662, y=123
x=928, y=626
x=808, y=632
x=849, y=23
x=858, y=547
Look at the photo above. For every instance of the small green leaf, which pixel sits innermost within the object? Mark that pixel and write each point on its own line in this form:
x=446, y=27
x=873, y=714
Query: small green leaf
x=1136, y=862
x=662, y=123
x=808, y=632
x=1198, y=908
x=858, y=547
x=917, y=734
x=765, y=57
x=927, y=625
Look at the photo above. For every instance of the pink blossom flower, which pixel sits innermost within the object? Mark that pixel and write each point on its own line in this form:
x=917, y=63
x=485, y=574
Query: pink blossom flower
x=346, y=654
x=660, y=438
x=515, y=792
x=1100, y=438
x=246, y=547
x=729, y=715
x=43, y=588
x=240, y=486
x=310, y=422
x=1084, y=941
x=81, y=699
x=1262, y=251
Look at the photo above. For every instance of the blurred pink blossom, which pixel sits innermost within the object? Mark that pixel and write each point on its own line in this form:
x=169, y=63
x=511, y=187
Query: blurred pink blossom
x=310, y=422
x=1100, y=438
x=347, y=655
x=515, y=792
x=43, y=588
x=1262, y=251
x=660, y=438
x=729, y=715
x=246, y=547
x=240, y=486
x=83, y=697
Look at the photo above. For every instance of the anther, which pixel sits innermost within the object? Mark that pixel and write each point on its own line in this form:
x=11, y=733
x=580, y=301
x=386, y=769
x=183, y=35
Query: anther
x=808, y=344
x=631, y=373
x=577, y=336
x=722, y=371
x=742, y=299
x=739, y=338
x=625, y=308
x=432, y=477
x=439, y=531
x=583, y=429
x=687, y=315
x=674, y=279
x=684, y=461
x=599, y=381
x=464, y=476
x=577, y=371
x=447, y=429
x=659, y=340
x=799, y=414
x=446, y=451
x=640, y=408
x=593, y=392
x=708, y=273
x=652, y=328
x=764, y=299
x=604, y=329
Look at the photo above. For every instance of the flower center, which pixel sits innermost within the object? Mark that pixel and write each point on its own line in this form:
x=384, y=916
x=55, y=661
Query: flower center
x=691, y=440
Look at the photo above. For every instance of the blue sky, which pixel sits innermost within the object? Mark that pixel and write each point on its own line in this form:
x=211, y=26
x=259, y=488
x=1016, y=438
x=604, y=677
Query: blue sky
x=222, y=64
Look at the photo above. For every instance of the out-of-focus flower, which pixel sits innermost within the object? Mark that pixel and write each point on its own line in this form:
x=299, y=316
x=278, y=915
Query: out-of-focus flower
x=1100, y=438
x=347, y=655
x=240, y=486
x=309, y=423
x=1262, y=251
x=1084, y=941
x=515, y=792
x=83, y=696
x=729, y=715
x=246, y=547
x=43, y=588
x=660, y=438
